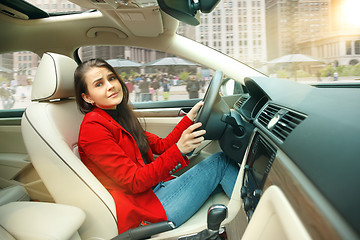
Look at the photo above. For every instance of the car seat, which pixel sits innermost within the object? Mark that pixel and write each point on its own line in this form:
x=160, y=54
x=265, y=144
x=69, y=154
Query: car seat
x=50, y=127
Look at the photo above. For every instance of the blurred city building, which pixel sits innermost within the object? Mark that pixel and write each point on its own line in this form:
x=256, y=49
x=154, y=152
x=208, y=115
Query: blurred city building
x=319, y=28
x=236, y=28
x=340, y=44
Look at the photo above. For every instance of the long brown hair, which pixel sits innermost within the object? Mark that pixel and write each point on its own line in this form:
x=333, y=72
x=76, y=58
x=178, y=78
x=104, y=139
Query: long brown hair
x=126, y=116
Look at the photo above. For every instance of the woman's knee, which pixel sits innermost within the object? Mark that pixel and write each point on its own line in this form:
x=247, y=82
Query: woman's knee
x=221, y=157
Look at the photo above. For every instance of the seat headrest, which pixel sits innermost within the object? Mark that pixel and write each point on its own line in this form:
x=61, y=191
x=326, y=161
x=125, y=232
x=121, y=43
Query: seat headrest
x=54, y=78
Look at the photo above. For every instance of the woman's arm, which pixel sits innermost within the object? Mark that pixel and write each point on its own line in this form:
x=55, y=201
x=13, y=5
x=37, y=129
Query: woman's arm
x=121, y=160
x=159, y=145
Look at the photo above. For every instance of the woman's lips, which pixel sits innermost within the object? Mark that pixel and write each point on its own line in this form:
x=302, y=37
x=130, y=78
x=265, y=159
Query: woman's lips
x=113, y=95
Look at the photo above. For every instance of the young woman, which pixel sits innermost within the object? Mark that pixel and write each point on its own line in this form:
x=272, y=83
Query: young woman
x=119, y=152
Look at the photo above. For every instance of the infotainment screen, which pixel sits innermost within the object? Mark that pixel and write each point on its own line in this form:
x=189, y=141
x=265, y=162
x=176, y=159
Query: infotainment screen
x=262, y=156
x=258, y=163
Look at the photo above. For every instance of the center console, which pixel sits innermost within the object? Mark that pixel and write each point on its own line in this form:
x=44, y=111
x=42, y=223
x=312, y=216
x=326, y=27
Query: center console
x=258, y=163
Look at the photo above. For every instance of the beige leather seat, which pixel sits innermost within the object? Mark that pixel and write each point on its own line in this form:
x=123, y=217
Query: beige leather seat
x=50, y=129
x=40, y=221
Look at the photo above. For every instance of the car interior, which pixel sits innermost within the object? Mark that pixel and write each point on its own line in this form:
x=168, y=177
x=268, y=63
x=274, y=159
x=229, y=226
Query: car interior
x=296, y=144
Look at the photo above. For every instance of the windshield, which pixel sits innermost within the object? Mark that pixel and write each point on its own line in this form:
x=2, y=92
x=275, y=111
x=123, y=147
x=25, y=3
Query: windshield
x=307, y=41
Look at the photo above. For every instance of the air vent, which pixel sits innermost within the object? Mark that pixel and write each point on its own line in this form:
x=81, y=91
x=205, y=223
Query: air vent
x=267, y=114
x=240, y=102
x=280, y=121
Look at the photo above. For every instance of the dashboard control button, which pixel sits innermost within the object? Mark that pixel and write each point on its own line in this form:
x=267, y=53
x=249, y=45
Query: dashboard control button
x=257, y=193
x=243, y=192
x=247, y=204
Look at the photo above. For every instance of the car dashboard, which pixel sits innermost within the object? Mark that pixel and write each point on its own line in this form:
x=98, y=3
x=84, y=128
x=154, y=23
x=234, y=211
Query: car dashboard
x=303, y=141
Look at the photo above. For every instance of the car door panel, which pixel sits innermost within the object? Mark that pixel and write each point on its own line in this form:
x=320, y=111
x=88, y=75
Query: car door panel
x=13, y=157
x=15, y=165
x=161, y=117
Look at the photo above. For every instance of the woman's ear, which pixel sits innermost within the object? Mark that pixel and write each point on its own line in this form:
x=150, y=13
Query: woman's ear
x=87, y=98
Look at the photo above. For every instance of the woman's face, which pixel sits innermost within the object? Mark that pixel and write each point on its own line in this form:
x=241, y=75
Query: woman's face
x=104, y=89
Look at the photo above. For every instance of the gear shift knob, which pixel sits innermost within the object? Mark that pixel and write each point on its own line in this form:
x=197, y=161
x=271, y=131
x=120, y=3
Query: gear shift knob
x=216, y=214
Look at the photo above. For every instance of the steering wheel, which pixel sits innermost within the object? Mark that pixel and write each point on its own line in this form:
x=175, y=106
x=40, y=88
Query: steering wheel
x=211, y=101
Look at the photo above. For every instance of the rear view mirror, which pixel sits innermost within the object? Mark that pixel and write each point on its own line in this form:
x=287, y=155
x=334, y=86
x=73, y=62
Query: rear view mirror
x=187, y=11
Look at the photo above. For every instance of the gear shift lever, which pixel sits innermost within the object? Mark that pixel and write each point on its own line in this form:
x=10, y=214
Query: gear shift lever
x=216, y=214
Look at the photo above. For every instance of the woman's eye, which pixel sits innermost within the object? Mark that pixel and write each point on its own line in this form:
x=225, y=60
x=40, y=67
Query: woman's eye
x=98, y=85
x=112, y=78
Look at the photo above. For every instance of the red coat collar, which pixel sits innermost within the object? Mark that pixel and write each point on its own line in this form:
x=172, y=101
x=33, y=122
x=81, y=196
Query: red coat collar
x=105, y=115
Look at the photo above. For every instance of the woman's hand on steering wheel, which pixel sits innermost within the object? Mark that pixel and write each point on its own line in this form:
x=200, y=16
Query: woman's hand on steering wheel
x=191, y=138
x=194, y=111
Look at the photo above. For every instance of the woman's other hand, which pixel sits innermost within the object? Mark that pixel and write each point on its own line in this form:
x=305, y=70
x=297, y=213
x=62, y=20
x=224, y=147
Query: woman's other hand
x=191, y=138
x=194, y=111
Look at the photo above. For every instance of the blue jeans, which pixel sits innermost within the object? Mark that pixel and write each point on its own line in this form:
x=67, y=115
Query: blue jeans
x=183, y=196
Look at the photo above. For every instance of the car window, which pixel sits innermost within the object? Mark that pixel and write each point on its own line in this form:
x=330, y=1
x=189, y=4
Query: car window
x=155, y=76
x=17, y=72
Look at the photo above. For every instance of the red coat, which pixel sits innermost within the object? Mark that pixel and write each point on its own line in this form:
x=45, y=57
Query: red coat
x=112, y=155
